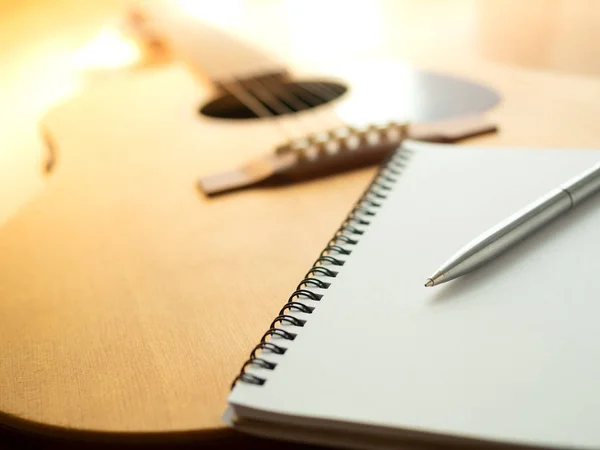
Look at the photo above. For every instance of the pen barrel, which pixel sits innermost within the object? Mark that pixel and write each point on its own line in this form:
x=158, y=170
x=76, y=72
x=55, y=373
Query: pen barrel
x=507, y=233
x=584, y=185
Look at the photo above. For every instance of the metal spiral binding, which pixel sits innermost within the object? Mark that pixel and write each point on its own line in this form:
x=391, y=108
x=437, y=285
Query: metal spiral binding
x=326, y=266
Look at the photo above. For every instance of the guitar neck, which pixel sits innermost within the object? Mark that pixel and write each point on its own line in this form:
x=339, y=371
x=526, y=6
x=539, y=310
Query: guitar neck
x=206, y=49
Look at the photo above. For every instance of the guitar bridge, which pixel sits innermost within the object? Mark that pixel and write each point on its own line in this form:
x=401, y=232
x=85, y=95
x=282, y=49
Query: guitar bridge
x=338, y=150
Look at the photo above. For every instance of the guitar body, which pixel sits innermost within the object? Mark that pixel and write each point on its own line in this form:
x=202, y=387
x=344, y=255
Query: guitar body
x=130, y=299
x=139, y=108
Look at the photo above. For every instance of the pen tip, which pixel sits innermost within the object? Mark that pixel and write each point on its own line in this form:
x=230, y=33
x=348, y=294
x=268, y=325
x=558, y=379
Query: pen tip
x=429, y=282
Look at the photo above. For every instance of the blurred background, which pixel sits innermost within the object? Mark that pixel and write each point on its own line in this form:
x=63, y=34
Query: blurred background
x=51, y=49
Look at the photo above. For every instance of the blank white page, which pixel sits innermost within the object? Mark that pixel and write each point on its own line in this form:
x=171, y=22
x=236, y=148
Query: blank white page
x=510, y=352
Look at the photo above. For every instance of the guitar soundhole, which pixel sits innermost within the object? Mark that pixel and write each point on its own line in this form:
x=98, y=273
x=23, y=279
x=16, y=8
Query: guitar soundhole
x=250, y=99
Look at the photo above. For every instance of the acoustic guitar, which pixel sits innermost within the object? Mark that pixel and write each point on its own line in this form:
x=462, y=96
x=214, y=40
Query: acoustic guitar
x=129, y=298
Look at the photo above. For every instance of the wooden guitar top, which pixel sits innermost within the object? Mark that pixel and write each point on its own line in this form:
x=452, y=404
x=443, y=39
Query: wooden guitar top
x=129, y=299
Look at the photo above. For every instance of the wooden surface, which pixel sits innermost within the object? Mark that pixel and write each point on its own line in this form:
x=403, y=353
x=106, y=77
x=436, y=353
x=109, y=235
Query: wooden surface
x=129, y=301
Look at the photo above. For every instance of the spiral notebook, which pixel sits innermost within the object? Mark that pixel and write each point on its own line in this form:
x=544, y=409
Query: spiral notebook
x=362, y=355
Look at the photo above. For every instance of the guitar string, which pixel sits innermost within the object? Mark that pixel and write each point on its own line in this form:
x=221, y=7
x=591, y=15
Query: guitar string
x=250, y=100
x=266, y=96
x=313, y=87
x=284, y=101
x=329, y=117
x=264, y=104
x=332, y=119
x=240, y=93
x=256, y=101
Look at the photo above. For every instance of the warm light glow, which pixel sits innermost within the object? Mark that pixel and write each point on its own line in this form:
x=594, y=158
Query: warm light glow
x=109, y=49
x=334, y=28
x=224, y=12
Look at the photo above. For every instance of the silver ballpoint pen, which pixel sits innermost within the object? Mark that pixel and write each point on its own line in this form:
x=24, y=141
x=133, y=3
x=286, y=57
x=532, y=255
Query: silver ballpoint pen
x=499, y=238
